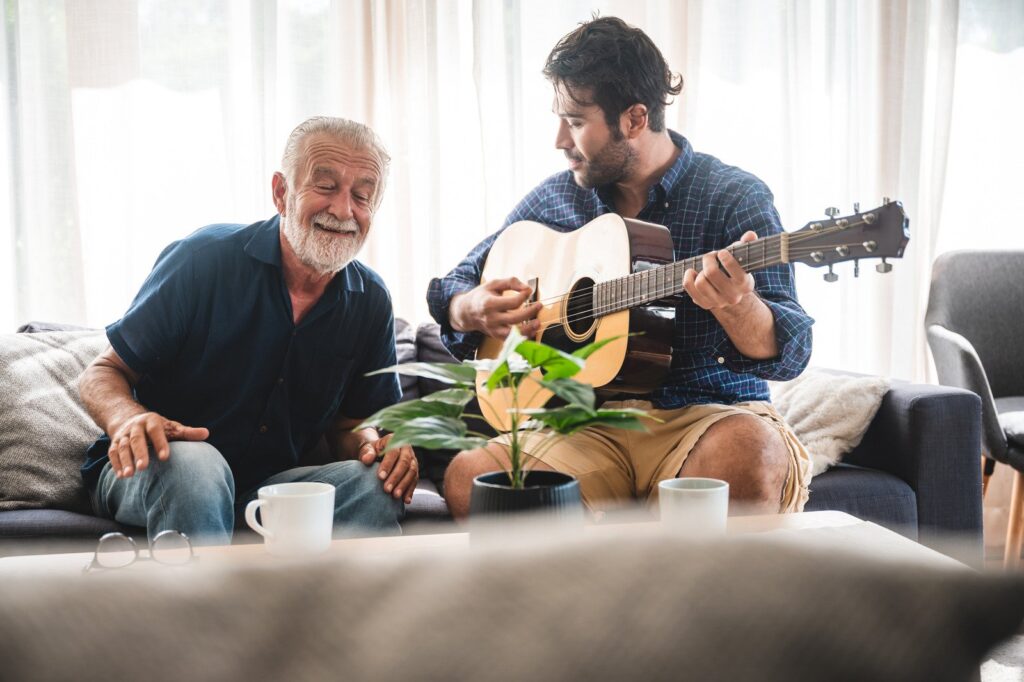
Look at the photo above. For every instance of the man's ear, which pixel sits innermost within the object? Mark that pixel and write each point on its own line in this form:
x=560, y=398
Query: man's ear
x=279, y=187
x=634, y=120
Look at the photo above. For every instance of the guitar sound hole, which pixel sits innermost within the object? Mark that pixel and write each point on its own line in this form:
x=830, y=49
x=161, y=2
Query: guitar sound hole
x=579, y=313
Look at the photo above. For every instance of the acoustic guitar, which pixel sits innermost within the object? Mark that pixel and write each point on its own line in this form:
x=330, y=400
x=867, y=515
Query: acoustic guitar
x=617, y=277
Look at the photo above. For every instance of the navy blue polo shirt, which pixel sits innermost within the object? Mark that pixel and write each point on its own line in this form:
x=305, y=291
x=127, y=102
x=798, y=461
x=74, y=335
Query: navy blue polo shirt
x=211, y=336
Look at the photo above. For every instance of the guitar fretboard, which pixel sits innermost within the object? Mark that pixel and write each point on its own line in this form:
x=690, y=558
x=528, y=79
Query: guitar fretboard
x=667, y=280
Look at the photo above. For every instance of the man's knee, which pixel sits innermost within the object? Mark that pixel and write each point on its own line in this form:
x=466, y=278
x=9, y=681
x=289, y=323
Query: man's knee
x=195, y=470
x=469, y=464
x=359, y=494
x=746, y=451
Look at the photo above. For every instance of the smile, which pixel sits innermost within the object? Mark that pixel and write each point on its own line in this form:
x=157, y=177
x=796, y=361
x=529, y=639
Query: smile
x=333, y=230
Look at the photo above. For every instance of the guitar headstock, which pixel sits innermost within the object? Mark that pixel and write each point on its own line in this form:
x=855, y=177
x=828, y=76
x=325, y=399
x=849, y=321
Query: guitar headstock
x=882, y=232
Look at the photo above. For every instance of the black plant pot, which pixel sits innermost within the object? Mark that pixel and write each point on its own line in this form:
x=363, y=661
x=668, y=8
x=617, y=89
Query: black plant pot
x=550, y=492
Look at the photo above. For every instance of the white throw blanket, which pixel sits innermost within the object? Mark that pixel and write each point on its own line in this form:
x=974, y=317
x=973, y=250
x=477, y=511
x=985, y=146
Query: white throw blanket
x=829, y=412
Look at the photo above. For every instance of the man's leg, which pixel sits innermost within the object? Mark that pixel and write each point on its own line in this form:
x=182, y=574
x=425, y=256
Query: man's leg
x=750, y=454
x=361, y=507
x=193, y=491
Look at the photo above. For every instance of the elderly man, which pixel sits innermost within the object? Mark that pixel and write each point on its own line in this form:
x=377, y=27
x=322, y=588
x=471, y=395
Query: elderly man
x=735, y=330
x=246, y=345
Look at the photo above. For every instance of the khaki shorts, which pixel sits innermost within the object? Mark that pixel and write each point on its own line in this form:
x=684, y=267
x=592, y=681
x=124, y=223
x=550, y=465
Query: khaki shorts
x=615, y=465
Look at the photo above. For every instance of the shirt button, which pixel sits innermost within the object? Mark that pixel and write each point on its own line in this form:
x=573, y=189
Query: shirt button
x=721, y=360
x=666, y=204
x=280, y=380
x=263, y=428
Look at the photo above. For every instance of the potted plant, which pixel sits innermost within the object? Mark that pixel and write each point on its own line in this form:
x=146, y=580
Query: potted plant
x=439, y=420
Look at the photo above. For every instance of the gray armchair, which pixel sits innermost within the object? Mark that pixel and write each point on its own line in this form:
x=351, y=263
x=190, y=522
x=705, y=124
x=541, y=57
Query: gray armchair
x=975, y=327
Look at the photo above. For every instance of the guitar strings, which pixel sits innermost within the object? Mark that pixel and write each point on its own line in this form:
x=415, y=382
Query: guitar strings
x=775, y=240
x=589, y=311
x=631, y=301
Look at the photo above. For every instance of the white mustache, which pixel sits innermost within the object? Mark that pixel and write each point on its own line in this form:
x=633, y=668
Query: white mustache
x=326, y=221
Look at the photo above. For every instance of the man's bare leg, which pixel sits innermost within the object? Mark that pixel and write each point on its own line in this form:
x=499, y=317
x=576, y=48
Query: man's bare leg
x=750, y=454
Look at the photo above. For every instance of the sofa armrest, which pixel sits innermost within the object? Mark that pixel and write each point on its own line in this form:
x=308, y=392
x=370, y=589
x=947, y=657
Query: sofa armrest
x=930, y=436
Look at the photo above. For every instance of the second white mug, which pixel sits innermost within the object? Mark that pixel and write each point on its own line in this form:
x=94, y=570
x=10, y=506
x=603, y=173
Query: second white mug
x=297, y=518
x=694, y=506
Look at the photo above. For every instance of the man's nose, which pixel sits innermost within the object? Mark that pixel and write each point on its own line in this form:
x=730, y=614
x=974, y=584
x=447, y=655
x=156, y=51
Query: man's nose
x=563, y=140
x=341, y=206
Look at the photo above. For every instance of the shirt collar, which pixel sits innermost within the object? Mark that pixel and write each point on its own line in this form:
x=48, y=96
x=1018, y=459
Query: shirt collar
x=669, y=180
x=265, y=246
x=676, y=171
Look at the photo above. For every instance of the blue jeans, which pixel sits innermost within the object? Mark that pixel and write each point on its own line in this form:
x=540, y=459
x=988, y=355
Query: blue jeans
x=194, y=491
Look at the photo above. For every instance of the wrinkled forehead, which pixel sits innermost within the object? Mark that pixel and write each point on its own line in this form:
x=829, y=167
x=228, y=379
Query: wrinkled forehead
x=326, y=153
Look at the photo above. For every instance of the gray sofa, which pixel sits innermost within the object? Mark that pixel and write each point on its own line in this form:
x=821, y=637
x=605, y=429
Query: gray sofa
x=916, y=470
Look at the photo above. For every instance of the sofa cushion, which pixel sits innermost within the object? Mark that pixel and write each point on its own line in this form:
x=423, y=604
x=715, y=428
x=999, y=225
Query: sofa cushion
x=405, y=347
x=36, y=327
x=44, y=429
x=868, y=494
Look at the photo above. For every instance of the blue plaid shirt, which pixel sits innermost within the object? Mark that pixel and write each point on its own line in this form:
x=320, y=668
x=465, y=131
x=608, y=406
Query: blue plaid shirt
x=706, y=205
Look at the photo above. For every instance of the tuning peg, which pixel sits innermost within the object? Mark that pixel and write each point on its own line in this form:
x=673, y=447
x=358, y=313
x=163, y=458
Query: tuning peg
x=831, y=276
x=856, y=266
x=831, y=211
x=856, y=207
x=883, y=267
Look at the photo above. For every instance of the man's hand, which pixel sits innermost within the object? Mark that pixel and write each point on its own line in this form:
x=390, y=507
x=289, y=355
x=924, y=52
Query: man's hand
x=130, y=442
x=716, y=288
x=398, y=469
x=494, y=308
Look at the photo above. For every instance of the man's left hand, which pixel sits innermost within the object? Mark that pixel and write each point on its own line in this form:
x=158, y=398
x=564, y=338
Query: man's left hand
x=718, y=287
x=398, y=469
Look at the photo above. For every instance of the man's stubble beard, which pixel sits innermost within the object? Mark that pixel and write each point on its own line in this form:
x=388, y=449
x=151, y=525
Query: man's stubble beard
x=322, y=251
x=612, y=164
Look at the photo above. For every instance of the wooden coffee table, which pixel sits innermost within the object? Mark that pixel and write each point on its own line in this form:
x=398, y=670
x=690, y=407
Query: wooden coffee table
x=827, y=530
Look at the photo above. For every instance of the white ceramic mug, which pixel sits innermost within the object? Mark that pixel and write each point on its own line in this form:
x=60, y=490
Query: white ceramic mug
x=694, y=506
x=297, y=517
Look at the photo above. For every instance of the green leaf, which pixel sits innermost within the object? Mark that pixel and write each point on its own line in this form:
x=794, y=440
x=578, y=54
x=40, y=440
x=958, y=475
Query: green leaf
x=501, y=367
x=435, y=433
x=591, y=348
x=555, y=363
x=391, y=418
x=572, y=392
x=452, y=396
x=571, y=419
x=459, y=374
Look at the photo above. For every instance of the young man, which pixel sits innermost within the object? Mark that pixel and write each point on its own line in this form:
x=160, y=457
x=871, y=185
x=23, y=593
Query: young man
x=736, y=330
x=244, y=347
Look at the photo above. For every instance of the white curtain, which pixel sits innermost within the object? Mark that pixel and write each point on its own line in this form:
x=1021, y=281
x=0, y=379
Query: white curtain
x=126, y=124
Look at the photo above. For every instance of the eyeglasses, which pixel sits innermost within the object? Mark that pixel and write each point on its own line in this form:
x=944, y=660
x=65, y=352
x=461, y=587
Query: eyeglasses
x=117, y=550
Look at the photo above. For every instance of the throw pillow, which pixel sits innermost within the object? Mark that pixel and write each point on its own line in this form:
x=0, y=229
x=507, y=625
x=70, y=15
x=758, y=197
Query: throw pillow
x=829, y=412
x=44, y=430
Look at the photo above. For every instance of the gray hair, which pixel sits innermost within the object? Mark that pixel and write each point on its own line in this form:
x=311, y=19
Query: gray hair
x=353, y=134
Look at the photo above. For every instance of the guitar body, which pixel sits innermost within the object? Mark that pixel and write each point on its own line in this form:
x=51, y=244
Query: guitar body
x=563, y=268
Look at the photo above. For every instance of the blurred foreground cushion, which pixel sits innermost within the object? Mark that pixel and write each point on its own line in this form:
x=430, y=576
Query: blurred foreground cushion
x=44, y=429
x=644, y=608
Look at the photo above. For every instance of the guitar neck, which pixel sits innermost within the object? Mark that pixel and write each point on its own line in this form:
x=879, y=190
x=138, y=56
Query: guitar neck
x=666, y=280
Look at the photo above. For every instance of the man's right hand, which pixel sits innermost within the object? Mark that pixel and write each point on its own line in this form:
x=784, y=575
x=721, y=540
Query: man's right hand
x=130, y=442
x=494, y=308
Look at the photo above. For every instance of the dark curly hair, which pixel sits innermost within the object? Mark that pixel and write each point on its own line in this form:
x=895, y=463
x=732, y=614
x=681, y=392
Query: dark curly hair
x=619, y=65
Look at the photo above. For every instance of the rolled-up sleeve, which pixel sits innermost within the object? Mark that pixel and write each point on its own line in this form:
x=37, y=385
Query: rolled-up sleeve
x=775, y=285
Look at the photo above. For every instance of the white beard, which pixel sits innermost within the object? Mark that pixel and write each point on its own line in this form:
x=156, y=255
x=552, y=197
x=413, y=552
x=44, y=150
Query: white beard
x=324, y=250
